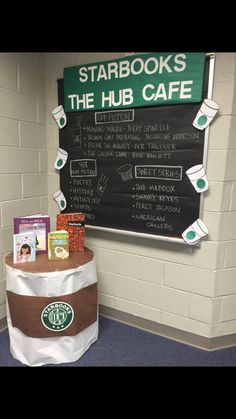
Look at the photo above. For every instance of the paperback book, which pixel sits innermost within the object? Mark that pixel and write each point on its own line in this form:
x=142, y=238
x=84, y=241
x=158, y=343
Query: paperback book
x=58, y=245
x=37, y=224
x=73, y=223
x=24, y=247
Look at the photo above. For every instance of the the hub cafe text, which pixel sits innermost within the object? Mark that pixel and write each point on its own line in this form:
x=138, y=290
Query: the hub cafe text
x=140, y=80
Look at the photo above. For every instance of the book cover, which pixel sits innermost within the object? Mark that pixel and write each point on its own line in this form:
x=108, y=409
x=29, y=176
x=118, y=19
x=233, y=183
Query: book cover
x=73, y=223
x=24, y=249
x=58, y=245
x=37, y=224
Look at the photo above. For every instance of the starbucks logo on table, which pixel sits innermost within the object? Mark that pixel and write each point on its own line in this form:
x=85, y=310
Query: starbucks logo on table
x=57, y=316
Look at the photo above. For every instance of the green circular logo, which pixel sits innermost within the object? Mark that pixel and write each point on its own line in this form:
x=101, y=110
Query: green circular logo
x=62, y=121
x=190, y=235
x=202, y=120
x=57, y=316
x=59, y=162
x=62, y=203
x=201, y=183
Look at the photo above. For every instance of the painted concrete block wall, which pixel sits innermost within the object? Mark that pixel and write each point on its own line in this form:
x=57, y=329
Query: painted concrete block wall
x=223, y=140
x=191, y=289
x=23, y=151
x=187, y=288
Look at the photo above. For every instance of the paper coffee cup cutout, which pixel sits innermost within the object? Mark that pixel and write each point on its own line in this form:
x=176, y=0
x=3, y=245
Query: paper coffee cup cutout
x=206, y=113
x=198, y=178
x=195, y=232
x=60, y=199
x=59, y=115
x=61, y=158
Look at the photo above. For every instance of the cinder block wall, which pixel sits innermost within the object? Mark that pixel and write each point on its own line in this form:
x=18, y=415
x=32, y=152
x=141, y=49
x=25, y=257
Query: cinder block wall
x=23, y=152
x=189, y=289
x=222, y=170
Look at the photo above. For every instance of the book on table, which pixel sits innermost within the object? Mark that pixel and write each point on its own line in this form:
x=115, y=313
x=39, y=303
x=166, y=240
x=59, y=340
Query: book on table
x=39, y=225
x=24, y=247
x=73, y=223
x=58, y=245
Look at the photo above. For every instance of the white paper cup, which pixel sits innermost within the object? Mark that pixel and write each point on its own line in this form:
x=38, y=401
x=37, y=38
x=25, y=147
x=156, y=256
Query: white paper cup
x=59, y=115
x=197, y=176
x=195, y=232
x=60, y=199
x=206, y=113
x=61, y=158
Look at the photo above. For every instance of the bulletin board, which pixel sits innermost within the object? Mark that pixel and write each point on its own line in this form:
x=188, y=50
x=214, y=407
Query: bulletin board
x=126, y=167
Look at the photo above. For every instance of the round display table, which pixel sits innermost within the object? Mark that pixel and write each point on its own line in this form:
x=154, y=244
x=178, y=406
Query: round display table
x=52, y=308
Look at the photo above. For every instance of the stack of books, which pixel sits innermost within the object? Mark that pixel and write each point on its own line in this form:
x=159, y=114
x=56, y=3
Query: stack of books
x=32, y=235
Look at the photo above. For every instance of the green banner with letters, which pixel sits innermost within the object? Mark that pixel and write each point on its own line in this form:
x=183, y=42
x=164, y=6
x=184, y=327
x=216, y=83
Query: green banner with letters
x=138, y=80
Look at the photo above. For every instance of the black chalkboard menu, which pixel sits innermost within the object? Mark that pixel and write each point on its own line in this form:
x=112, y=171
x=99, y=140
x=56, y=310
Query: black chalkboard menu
x=126, y=168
